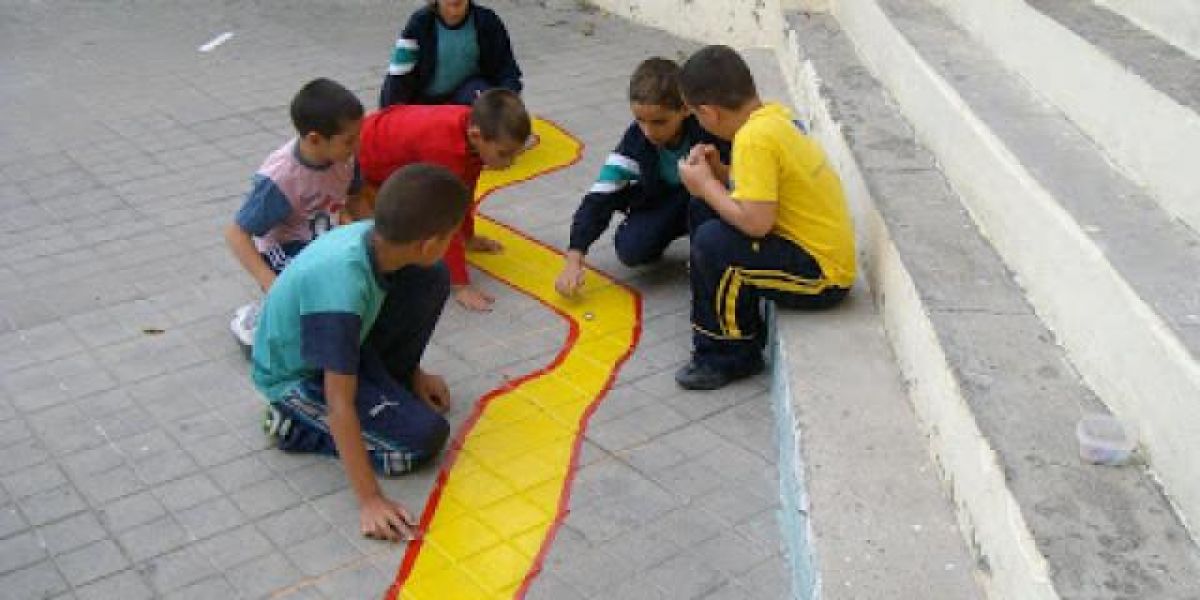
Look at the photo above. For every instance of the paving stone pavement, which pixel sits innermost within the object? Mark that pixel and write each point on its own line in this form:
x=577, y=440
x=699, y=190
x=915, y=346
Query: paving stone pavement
x=133, y=463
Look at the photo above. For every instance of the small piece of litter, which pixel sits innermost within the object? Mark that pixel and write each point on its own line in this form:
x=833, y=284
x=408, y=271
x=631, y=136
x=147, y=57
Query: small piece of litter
x=587, y=316
x=153, y=330
x=217, y=41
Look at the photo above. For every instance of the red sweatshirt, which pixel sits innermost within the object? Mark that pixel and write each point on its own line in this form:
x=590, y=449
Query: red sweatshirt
x=404, y=134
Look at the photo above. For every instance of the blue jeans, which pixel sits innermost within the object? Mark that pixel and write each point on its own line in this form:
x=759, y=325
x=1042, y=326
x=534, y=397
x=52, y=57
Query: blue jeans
x=400, y=430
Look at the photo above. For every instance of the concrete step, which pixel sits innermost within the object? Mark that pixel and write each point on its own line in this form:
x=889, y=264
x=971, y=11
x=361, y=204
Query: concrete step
x=995, y=393
x=1134, y=94
x=867, y=496
x=1113, y=276
x=865, y=515
x=1177, y=21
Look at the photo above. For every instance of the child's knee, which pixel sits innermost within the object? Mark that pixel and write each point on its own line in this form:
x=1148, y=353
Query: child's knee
x=710, y=239
x=438, y=434
x=432, y=432
x=636, y=253
x=641, y=243
x=423, y=443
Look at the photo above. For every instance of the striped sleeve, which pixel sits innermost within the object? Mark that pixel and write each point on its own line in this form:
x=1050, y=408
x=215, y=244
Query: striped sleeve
x=618, y=172
x=404, y=57
x=265, y=207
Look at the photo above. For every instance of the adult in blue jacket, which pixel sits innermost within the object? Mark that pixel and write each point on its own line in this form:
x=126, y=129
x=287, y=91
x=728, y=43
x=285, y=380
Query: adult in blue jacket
x=449, y=52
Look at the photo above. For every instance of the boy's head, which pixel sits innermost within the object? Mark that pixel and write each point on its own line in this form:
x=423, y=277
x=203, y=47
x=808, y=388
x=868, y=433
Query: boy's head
x=499, y=127
x=417, y=211
x=717, y=85
x=655, y=100
x=328, y=117
x=452, y=12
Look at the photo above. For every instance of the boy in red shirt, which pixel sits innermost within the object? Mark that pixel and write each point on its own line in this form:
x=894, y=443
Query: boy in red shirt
x=489, y=133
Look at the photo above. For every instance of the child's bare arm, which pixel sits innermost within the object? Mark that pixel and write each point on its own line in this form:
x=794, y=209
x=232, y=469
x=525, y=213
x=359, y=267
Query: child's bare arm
x=242, y=246
x=378, y=516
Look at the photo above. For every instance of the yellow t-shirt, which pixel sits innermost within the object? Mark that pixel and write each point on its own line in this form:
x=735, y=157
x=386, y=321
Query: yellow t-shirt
x=774, y=162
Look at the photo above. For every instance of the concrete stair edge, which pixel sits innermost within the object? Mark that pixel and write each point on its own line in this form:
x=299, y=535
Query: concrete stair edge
x=876, y=518
x=1143, y=130
x=933, y=390
x=1100, y=311
x=846, y=432
x=990, y=516
x=1161, y=19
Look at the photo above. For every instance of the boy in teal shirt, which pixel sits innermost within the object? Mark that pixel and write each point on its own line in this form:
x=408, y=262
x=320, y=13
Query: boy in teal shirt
x=341, y=334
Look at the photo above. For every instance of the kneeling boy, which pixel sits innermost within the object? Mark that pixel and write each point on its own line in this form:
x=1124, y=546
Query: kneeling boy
x=341, y=334
x=640, y=178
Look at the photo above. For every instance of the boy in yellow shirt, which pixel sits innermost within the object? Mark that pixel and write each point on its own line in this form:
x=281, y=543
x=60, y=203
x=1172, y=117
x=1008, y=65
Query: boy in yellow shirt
x=783, y=230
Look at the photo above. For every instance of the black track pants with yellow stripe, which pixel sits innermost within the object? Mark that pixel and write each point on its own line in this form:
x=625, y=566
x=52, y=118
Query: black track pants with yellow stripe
x=731, y=274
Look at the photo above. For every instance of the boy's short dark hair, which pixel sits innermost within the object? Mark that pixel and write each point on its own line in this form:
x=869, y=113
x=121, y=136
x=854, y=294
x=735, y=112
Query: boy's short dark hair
x=418, y=202
x=656, y=82
x=717, y=75
x=500, y=114
x=324, y=106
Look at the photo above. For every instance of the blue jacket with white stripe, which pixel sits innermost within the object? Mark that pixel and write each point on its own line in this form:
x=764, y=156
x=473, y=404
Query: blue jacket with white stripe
x=415, y=56
x=630, y=181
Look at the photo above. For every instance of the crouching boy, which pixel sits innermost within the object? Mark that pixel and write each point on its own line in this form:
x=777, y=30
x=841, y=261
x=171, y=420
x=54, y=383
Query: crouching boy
x=341, y=334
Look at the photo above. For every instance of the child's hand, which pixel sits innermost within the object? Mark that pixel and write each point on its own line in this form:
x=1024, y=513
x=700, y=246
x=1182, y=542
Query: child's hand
x=571, y=279
x=382, y=519
x=432, y=389
x=695, y=172
x=712, y=156
x=472, y=298
x=486, y=245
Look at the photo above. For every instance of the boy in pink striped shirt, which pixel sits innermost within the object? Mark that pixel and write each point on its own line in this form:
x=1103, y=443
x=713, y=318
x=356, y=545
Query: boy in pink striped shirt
x=300, y=190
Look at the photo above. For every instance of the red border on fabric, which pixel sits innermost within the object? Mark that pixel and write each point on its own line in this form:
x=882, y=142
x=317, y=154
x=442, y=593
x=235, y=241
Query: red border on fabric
x=414, y=548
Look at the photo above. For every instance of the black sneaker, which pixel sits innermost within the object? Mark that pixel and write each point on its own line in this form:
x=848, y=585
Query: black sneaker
x=699, y=376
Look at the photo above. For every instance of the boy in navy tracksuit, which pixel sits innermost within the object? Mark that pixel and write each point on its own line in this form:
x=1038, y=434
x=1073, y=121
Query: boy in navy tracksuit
x=448, y=53
x=641, y=177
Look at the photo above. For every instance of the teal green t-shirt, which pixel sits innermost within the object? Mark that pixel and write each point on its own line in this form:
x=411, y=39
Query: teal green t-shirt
x=668, y=161
x=318, y=312
x=457, y=57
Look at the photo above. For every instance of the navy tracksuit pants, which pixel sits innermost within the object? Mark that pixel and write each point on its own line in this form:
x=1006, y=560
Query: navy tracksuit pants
x=731, y=274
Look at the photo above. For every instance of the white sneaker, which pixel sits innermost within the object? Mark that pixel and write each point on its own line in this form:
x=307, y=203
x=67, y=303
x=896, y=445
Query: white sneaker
x=242, y=325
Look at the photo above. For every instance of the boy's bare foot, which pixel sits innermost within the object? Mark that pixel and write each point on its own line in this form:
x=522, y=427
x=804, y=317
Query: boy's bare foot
x=472, y=298
x=485, y=245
